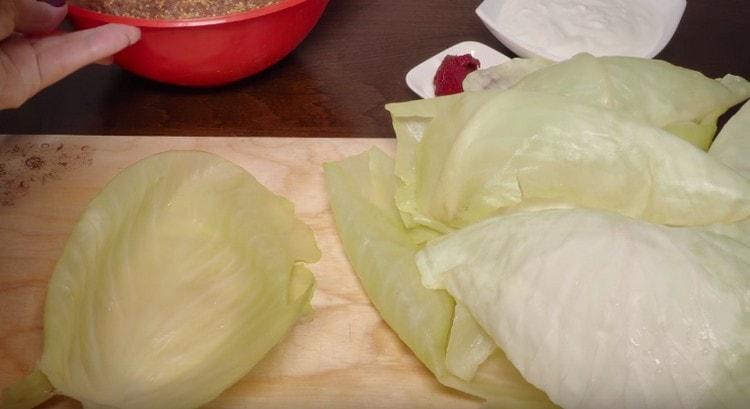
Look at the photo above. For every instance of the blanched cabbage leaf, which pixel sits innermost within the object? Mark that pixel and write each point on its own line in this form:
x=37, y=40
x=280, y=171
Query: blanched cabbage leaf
x=604, y=311
x=381, y=251
x=470, y=156
x=680, y=100
x=179, y=277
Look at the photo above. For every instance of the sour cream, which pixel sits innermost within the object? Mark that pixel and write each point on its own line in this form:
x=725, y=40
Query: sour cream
x=559, y=29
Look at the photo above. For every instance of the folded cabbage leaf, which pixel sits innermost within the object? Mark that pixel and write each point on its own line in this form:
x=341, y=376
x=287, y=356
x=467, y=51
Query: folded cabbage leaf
x=179, y=277
x=604, y=311
x=470, y=156
x=381, y=251
x=679, y=100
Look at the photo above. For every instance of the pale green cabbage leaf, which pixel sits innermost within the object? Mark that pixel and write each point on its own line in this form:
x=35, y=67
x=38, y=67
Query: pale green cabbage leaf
x=381, y=251
x=604, y=311
x=679, y=100
x=179, y=277
x=470, y=156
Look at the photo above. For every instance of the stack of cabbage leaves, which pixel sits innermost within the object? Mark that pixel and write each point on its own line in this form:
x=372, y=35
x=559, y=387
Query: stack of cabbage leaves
x=566, y=238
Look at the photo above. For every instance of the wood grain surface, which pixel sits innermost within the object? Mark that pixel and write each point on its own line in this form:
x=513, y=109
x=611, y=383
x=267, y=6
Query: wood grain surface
x=345, y=357
x=336, y=83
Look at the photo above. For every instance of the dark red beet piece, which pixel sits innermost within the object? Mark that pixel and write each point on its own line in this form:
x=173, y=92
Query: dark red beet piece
x=450, y=75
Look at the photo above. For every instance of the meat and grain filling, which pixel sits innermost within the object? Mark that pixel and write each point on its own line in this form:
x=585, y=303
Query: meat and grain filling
x=172, y=9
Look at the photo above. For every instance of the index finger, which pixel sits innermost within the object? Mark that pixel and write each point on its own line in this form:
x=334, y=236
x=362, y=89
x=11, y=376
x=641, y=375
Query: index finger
x=29, y=65
x=59, y=56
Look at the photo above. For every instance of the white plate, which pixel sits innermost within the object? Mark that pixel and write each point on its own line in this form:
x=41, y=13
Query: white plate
x=420, y=78
x=668, y=12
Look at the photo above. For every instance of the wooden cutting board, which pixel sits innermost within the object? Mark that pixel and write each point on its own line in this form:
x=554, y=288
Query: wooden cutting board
x=345, y=357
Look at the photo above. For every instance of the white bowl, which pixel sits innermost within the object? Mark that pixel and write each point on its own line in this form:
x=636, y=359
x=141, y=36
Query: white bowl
x=420, y=78
x=667, y=12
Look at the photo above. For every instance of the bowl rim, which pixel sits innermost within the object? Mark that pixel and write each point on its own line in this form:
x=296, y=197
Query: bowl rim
x=78, y=11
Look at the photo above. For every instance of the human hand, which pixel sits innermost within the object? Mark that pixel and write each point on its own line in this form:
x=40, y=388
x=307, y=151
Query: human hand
x=29, y=62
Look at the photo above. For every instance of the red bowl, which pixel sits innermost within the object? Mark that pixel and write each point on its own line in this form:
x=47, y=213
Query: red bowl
x=211, y=51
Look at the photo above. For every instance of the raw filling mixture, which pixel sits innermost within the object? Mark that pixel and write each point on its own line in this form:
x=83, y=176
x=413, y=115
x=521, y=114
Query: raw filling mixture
x=172, y=9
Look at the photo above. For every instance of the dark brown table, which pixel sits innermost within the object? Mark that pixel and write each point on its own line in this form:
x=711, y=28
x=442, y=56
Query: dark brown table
x=336, y=83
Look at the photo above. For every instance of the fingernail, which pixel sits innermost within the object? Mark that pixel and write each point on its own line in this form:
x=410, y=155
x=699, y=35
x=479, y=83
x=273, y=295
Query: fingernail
x=55, y=3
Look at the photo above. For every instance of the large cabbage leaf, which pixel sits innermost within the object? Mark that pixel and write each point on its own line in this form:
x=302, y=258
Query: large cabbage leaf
x=382, y=254
x=179, y=277
x=381, y=251
x=467, y=157
x=680, y=100
x=604, y=311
